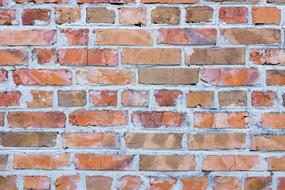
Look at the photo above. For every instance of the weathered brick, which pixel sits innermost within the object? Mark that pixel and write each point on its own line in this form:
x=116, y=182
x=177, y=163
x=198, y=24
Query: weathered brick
x=132, y=16
x=100, y=15
x=130, y=182
x=252, y=183
x=135, y=98
x=40, y=99
x=167, y=162
x=89, y=140
x=28, y=139
x=233, y=15
x=194, y=183
x=106, y=1
x=71, y=98
x=75, y=36
x=14, y=57
x=196, y=14
x=103, y=97
x=40, y=161
x=8, y=16
x=250, y=36
x=37, y=182
x=42, y=77
x=45, y=56
x=99, y=182
x=2, y=118
x=153, y=56
x=67, y=15
x=3, y=76
x=24, y=119
x=158, y=119
x=232, y=98
x=220, y=120
x=268, y=143
x=170, y=1
x=267, y=56
x=103, y=162
x=98, y=118
x=8, y=182
x=168, y=76
x=123, y=37
x=165, y=184
x=263, y=98
x=273, y=120
x=67, y=182
x=216, y=56
x=3, y=161
x=166, y=97
x=199, y=99
x=230, y=76
x=276, y=163
x=36, y=16
x=27, y=37
x=281, y=183
x=10, y=98
x=275, y=77
x=232, y=183
x=165, y=15
x=187, y=36
x=153, y=140
x=266, y=15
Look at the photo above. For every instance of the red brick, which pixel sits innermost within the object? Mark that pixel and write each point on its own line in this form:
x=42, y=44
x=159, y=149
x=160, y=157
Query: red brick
x=275, y=77
x=252, y=183
x=166, y=97
x=37, y=182
x=187, y=36
x=29, y=119
x=281, y=183
x=75, y=36
x=230, y=76
x=3, y=161
x=42, y=77
x=273, y=120
x=45, y=56
x=27, y=37
x=106, y=1
x=14, y=57
x=130, y=182
x=194, y=183
x=267, y=56
x=8, y=16
x=224, y=183
x=98, y=118
x=40, y=161
x=135, y=98
x=8, y=182
x=233, y=15
x=103, y=162
x=10, y=98
x=36, y=16
x=276, y=163
x=67, y=182
x=103, y=97
x=170, y=1
x=162, y=184
x=262, y=98
x=266, y=15
x=268, y=143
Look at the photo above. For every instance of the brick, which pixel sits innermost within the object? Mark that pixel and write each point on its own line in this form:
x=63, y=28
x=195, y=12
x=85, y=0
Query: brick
x=3, y=161
x=268, y=143
x=267, y=56
x=42, y=77
x=230, y=76
x=132, y=16
x=166, y=163
x=273, y=120
x=199, y=99
x=165, y=184
x=27, y=37
x=250, y=36
x=103, y=162
x=37, y=182
x=216, y=56
x=153, y=140
x=2, y=118
x=281, y=183
x=88, y=57
x=40, y=161
x=45, y=56
x=100, y=15
x=266, y=15
x=221, y=120
x=165, y=15
x=105, y=76
x=198, y=14
x=275, y=77
x=71, y=98
x=89, y=140
x=158, y=119
x=187, y=36
x=103, y=97
x=36, y=16
x=168, y=76
x=130, y=182
x=40, y=99
x=75, y=36
x=232, y=183
x=98, y=118
x=276, y=163
x=194, y=183
x=67, y=182
x=65, y=15
x=8, y=182
x=107, y=1
x=27, y=119
x=10, y=98
x=135, y=98
x=41, y=1
x=8, y=16
x=260, y=99
x=232, y=98
x=217, y=141
x=14, y=57
x=170, y=1
x=3, y=76
x=28, y=139
x=99, y=182
x=123, y=37
x=233, y=163
x=166, y=97
x=153, y=56
x=252, y=183
x=233, y=15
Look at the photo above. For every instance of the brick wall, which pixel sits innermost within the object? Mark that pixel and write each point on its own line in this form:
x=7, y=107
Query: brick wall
x=142, y=94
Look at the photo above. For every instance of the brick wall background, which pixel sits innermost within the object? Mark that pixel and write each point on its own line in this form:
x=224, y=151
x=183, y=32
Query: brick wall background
x=142, y=94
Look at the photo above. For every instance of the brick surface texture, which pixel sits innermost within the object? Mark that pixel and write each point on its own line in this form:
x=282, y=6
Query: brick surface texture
x=142, y=95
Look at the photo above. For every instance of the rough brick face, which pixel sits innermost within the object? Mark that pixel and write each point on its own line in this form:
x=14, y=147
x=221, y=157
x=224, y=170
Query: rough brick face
x=142, y=95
